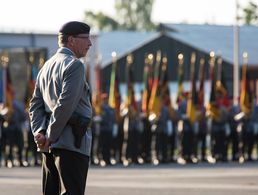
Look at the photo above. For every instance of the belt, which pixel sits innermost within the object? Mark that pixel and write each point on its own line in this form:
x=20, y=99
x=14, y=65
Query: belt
x=75, y=119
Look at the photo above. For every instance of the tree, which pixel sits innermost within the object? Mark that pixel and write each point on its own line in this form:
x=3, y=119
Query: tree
x=250, y=13
x=100, y=21
x=135, y=14
x=131, y=15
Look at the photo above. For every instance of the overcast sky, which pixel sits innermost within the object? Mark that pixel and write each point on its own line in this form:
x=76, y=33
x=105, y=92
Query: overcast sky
x=49, y=15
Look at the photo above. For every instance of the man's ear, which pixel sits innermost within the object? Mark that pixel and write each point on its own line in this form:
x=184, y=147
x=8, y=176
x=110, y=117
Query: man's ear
x=71, y=40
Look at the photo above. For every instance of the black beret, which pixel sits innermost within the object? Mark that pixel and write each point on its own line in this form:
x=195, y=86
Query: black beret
x=74, y=28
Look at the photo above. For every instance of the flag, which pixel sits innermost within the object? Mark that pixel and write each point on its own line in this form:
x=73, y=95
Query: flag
x=180, y=92
x=7, y=91
x=114, y=95
x=32, y=72
x=163, y=80
x=164, y=94
x=32, y=76
x=145, y=89
x=2, y=85
x=213, y=110
x=154, y=102
x=202, y=82
x=147, y=82
x=97, y=92
x=221, y=86
x=111, y=98
x=130, y=96
x=192, y=101
x=245, y=94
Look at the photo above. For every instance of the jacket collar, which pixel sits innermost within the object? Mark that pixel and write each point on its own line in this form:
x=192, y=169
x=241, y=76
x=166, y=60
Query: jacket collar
x=65, y=50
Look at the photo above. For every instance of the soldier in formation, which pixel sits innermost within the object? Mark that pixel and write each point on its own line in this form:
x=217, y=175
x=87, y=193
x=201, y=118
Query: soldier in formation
x=225, y=133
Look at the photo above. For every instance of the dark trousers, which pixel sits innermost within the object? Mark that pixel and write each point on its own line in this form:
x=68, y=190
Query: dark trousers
x=64, y=172
x=105, y=145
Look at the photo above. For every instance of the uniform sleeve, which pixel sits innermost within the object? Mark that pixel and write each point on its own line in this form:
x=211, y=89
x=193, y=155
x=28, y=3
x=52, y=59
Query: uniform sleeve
x=37, y=111
x=72, y=89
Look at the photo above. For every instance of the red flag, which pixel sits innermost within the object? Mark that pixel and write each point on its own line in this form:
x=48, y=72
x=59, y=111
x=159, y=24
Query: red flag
x=221, y=85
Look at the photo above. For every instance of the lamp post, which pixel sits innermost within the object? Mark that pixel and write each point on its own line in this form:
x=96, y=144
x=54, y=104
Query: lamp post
x=236, y=58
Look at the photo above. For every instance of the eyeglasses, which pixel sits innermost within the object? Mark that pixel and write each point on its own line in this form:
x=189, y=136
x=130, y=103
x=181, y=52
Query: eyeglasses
x=81, y=37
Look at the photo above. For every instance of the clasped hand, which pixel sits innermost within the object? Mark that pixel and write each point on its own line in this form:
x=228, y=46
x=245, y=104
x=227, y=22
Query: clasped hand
x=41, y=141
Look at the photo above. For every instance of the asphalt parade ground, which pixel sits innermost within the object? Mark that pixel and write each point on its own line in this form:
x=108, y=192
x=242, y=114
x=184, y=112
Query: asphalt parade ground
x=169, y=179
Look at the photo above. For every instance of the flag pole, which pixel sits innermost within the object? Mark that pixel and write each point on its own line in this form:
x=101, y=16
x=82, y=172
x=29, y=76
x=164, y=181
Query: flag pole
x=5, y=61
x=111, y=99
x=236, y=58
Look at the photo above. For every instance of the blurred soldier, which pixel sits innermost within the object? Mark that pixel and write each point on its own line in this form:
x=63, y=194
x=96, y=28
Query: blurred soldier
x=185, y=132
x=171, y=133
x=14, y=134
x=234, y=133
x=1, y=137
x=31, y=147
x=95, y=136
x=147, y=139
x=246, y=130
x=202, y=133
x=162, y=133
x=171, y=130
x=132, y=150
x=106, y=129
x=218, y=114
x=256, y=130
x=249, y=126
x=119, y=140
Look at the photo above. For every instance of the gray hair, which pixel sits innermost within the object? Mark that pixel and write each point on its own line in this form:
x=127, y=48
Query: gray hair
x=62, y=39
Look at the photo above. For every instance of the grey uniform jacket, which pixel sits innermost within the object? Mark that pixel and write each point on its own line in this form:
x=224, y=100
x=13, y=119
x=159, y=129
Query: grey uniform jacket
x=60, y=90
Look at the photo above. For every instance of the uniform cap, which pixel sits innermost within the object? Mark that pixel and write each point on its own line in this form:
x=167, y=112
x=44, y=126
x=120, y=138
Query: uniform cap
x=74, y=28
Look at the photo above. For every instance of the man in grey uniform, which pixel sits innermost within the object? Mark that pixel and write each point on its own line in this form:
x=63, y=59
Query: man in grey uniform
x=61, y=112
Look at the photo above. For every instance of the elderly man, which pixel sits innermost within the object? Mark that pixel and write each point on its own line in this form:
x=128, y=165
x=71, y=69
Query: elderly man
x=61, y=112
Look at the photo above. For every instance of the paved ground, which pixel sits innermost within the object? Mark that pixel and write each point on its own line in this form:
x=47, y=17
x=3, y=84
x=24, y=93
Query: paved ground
x=170, y=179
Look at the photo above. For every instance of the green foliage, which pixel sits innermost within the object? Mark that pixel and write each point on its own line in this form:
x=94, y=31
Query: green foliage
x=100, y=21
x=250, y=13
x=135, y=14
x=131, y=15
